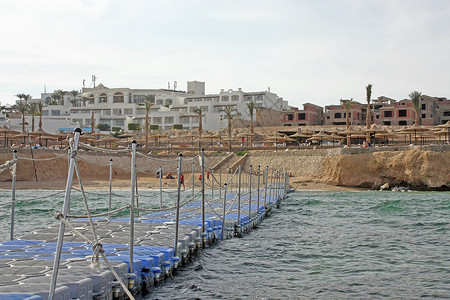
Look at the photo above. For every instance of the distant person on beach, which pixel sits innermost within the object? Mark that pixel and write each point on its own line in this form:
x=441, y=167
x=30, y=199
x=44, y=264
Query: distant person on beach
x=200, y=177
x=207, y=175
x=182, y=181
x=169, y=176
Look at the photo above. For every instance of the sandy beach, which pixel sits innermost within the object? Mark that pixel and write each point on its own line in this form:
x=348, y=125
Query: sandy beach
x=147, y=182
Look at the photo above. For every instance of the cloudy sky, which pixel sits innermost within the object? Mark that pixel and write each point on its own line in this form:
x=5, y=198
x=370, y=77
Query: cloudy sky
x=305, y=51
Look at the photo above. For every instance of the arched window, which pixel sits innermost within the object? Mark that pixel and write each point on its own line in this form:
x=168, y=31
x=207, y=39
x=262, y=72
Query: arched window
x=103, y=98
x=91, y=99
x=225, y=99
x=235, y=98
x=159, y=102
x=118, y=98
x=168, y=102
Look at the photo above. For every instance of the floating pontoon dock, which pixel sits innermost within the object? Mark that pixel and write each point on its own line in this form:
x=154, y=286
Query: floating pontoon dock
x=104, y=257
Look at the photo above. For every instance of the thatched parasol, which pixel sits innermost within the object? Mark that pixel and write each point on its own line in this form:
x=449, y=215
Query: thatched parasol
x=415, y=129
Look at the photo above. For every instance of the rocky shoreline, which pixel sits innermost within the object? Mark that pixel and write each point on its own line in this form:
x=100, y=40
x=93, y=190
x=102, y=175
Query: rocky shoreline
x=416, y=167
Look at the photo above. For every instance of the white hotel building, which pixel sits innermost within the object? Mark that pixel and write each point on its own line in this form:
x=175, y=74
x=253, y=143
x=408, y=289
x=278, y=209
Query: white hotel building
x=119, y=107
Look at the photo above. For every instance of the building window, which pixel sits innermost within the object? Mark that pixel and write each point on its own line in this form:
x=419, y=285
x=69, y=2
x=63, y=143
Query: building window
x=224, y=99
x=168, y=120
x=91, y=99
x=118, y=98
x=117, y=112
x=424, y=116
x=290, y=117
x=337, y=115
x=402, y=113
x=157, y=120
x=107, y=112
x=301, y=116
x=386, y=122
x=119, y=122
x=388, y=114
x=424, y=106
x=235, y=98
x=160, y=102
x=402, y=123
x=128, y=111
x=56, y=112
x=103, y=98
x=169, y=101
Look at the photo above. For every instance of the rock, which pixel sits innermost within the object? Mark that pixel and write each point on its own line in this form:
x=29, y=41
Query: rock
x=384, y=186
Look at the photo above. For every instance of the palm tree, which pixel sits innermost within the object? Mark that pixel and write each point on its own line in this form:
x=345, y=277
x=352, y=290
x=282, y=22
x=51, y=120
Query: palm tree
x=251, y=107
x=40, y=106
x=22, y=107
x=369, y=114
x=368, y=97
x=74, y=99
x=415, y=98
x=231, y=113
x=85, y=100
x=32, y=109
x=58, y=96
x=199, y=112
x=347, y=104
x=149, y=100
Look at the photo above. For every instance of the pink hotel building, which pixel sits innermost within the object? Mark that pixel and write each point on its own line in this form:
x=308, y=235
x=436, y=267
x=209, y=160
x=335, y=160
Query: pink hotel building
x=385, y=111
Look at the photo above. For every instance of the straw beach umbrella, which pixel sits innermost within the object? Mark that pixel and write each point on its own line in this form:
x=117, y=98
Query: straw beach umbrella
x=446, y=126
x=348, y=133
x=415, y=129
x=374, y=129
x=319, y=137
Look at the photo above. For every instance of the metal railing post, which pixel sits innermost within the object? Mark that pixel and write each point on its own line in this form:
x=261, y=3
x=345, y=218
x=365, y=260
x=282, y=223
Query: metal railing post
x=193, y=179
x=13, y=195
x=110, y=187
x=266, y=173
x=239, y=198
x=180, y=158
x=257, y=194
x=160, y=188
x=133, y=182
x=250, y=195
x=203, y=196
x=65, y=211
x=224, y=209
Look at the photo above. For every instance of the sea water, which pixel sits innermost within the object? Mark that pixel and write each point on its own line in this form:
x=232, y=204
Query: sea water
x=316, y=245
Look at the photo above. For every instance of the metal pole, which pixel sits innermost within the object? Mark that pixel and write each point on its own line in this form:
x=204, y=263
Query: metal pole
x=180, y=158
x=160, y=187
x=250, y=195
x=212, y=183
x=65, y=211
x=266, y=175
x=203, y=196
x=220, y=183
x=13, y=195
x=257, y=195
x=271, y=189
x=133, y=182
x=239, y=197
x=193, y=178
x=224, y=209
x=137, y=196
x=110, y=187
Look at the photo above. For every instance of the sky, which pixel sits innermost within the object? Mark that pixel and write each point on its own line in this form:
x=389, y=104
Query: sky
x=305, y=51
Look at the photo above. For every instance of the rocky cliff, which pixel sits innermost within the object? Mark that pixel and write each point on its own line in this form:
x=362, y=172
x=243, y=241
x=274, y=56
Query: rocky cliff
x=418, y=168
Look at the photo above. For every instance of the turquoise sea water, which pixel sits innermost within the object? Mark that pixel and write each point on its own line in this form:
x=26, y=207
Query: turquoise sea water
x=317, y=245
